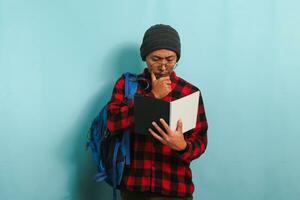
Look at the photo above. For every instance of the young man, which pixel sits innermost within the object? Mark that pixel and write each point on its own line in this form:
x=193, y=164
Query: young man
x=160, y=159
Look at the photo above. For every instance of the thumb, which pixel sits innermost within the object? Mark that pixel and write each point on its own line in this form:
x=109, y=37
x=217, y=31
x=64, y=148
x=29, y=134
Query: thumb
x=153, y=77
x=179, y=126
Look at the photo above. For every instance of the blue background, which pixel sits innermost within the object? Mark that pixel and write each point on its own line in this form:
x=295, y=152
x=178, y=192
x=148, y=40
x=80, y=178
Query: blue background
x=59, y=60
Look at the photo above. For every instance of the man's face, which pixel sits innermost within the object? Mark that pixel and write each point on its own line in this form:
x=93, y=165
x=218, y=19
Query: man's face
x=161, y=62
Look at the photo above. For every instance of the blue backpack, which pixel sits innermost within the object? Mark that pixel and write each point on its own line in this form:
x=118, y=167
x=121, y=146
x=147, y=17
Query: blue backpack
x=111, y=151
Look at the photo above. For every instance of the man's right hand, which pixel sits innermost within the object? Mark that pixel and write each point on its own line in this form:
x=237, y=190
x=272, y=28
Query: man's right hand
x=160, y=87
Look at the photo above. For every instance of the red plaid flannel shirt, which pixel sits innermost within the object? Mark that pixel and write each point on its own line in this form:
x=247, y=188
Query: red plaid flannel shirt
x=156, y=168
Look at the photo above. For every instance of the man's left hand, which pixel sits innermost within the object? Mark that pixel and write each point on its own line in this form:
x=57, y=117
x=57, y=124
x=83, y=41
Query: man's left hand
x=173, y=139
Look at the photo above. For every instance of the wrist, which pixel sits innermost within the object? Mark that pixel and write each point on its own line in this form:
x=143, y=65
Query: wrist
x=183, y=149
x=183, y=146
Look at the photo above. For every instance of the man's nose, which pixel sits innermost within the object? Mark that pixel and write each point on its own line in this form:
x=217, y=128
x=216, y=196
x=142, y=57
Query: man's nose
x=162, y=67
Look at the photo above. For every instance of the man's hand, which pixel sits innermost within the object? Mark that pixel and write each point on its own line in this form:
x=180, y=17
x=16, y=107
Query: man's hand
x=173, y=139
x=160, y=87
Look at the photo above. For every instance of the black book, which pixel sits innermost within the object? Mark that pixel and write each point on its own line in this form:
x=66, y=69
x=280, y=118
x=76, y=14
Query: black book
x=149, y=109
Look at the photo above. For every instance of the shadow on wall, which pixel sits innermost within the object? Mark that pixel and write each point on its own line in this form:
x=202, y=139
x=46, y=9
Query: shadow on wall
x=123, y=59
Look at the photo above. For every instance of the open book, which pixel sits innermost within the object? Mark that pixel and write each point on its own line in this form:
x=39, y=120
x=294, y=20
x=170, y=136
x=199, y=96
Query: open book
x=149, y=109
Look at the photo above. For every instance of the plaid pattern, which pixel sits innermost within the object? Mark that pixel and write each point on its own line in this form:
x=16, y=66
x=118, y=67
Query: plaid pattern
x=155, y=167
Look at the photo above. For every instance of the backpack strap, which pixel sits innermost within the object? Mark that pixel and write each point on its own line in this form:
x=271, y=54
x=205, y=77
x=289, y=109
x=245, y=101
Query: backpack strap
x=101, y=175
x=130, y=90
x=130, y=85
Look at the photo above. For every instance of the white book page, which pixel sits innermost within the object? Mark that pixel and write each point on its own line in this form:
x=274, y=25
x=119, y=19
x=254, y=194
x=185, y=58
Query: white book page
x=186, y=109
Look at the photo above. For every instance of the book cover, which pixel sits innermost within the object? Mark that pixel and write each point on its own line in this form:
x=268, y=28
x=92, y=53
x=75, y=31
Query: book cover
x=149, y=109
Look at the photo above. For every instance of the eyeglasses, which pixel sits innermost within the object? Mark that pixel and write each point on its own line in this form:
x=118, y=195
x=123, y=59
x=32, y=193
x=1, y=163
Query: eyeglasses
x=170, y=61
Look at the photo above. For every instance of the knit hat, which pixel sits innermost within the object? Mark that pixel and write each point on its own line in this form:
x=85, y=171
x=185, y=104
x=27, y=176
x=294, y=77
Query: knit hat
x=160, y=36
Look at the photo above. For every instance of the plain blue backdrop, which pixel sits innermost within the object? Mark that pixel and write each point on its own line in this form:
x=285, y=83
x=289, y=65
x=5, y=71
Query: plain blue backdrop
x=59, y=60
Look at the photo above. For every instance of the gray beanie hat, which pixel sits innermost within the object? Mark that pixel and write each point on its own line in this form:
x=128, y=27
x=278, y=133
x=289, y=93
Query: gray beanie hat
x=160, y=36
